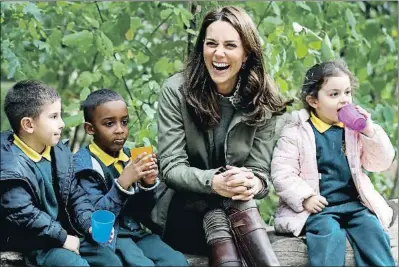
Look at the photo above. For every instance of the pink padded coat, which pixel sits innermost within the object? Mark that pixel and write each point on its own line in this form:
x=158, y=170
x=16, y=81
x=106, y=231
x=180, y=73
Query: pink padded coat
x=295, y=176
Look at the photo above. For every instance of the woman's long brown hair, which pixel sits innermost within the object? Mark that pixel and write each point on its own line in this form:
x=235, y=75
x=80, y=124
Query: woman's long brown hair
x=258, y=92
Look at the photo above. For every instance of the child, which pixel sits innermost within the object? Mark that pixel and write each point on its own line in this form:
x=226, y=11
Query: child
x=116, y=183
x=42, y=207
x=317, y=172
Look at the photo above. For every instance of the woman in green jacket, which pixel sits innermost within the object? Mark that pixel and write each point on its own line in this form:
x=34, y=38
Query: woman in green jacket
x=217, y=124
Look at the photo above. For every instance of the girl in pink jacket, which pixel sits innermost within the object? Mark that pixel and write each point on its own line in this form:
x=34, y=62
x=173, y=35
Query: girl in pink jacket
x=317, y=172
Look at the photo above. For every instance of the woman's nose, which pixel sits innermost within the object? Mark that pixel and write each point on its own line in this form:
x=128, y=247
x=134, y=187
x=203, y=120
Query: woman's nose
x=219, y=51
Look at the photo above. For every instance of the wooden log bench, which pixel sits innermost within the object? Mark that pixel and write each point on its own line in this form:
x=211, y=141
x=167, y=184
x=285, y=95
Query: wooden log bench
x=291, y=251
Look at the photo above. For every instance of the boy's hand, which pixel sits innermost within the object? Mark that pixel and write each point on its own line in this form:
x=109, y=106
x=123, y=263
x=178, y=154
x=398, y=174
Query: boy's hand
x=315, y=204
x=72, y=243
x=111, y=236
x=369, y=129
x=151, y=178
x=135, y=170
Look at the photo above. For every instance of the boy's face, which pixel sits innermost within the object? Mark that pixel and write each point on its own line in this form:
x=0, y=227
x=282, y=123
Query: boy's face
x=47, y=127
x=333, y=95
x=109, y=126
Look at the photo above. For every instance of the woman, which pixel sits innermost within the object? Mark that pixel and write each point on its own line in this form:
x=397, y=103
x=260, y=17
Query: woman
x=217, y=126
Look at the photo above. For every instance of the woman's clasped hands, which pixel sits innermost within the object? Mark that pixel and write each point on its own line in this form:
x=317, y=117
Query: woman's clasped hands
x=236, y=183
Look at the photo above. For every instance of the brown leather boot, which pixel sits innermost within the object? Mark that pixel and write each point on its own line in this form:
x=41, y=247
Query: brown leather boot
x=252, y=239
x=224, y=253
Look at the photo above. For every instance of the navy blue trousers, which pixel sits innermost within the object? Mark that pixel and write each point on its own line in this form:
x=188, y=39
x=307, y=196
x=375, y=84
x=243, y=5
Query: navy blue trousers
x=326, y=234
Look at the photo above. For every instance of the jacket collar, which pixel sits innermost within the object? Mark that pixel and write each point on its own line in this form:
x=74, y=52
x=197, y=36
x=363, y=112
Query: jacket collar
x=320, y=125
x=32, y=154
x=104, y=157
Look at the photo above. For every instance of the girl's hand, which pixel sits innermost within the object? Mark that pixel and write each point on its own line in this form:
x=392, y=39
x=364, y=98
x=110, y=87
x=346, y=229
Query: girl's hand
x=369, y=129
x=315, y=204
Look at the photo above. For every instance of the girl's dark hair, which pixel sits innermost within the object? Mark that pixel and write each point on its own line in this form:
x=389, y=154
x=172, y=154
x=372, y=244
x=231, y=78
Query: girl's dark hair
x=318, y=75
x=259, y=94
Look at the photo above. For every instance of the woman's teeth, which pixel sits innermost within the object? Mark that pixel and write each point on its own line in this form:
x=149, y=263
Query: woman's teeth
x=220, y=66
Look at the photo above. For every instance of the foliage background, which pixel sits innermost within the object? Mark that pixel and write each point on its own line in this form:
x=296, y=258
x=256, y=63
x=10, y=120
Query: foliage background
x=131, y=47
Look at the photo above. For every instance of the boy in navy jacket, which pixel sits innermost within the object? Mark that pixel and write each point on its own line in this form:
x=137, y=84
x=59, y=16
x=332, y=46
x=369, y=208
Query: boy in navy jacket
x=120, y=185
x=42, y=208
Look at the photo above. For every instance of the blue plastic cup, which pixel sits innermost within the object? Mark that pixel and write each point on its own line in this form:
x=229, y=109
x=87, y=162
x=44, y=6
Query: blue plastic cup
x=102, y=222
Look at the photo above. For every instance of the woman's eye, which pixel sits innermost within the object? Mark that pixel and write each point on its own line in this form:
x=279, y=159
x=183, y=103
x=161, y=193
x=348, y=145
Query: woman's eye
x=231, y=46
x=211, y=44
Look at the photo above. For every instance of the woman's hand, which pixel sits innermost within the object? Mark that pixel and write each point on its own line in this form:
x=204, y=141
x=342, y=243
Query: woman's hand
x=219, y=185
x=244, y=183
x=237, y=183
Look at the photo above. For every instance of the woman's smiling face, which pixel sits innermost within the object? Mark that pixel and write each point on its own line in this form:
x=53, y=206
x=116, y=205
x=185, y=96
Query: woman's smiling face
x=224, y=55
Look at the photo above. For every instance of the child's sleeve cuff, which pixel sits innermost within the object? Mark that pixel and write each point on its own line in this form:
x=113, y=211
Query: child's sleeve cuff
x=149, y=188
x=129, y=191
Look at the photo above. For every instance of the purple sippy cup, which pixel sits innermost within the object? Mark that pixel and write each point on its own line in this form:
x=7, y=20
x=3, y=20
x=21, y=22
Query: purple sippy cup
x=349, y=116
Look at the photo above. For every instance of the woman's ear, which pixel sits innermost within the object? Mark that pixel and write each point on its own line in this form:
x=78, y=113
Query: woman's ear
x=312, y=101
x=89, y=128
x=27, y=125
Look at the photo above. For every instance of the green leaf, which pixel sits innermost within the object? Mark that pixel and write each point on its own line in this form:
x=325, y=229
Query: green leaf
x=275, y=8
x=149, y=111
x=135, y=22
x=301, y=50
x=282, y=85
x=273, y=20
x=309, y=61
x=141, y=58
x=315, y=45
x=161, y=65
x=32, y=29
x=84, y=79
x=119, y=69
x=390, y=43
x=54, y=40
x=388, y=114
x=96, y=76
x=31, y=8
x=303, y=5
x=351, y=19
x=166, y=12
x=84, y=93
x=104, y=44
x=82, y=40
x=72, y=107
x=178, y=65
x=336, y=43
x=186, y=17
x=74, y=120
x=326, y=52
x=93, y=22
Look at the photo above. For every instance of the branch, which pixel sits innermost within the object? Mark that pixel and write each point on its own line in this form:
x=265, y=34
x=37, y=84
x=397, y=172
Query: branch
x=192, y=26
x=264, y=14
x=99, y=12
x=157, y=27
